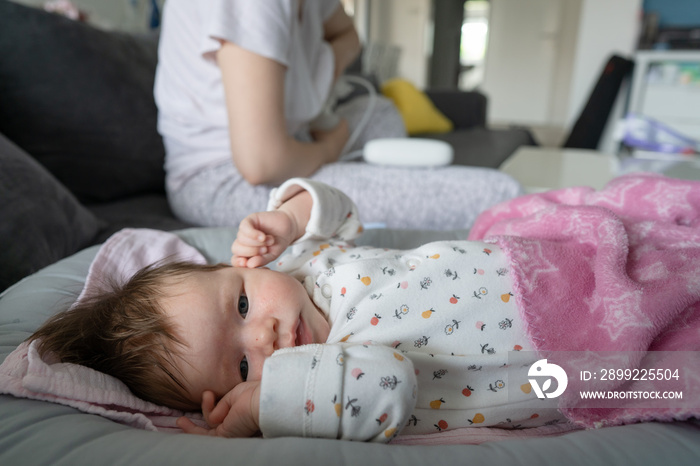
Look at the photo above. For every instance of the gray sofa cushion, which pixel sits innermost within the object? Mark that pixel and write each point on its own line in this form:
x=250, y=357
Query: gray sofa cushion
x=41, y=221
x=484, y=147
x=474, y=142
x=465, y=109
x=144, y=211
x=80, y=101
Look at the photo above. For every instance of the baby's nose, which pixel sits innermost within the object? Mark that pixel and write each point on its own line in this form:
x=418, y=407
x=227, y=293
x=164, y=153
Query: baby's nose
x=263, y=336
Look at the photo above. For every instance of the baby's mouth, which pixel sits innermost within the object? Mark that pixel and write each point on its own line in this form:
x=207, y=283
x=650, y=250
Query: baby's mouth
x=303, y=336
x=297, y=342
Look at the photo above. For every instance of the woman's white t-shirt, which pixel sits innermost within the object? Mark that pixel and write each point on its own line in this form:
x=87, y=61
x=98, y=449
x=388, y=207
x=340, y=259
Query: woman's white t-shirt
x=189, y=92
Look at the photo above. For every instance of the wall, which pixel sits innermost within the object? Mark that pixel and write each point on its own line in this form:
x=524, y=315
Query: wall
x=545, y=56
x=605, y=28
x=675, y=13
x=523, y=63
x=405, y=23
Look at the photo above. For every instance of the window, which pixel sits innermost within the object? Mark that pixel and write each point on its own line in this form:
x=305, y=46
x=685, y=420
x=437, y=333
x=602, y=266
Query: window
x=475, y=29
x=349, y=6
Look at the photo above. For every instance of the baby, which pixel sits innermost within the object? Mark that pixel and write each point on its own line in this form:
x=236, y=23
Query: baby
x=337, y=341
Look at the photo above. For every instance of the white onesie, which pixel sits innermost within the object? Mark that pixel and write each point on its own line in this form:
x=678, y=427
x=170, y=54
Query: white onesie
x=418, y=338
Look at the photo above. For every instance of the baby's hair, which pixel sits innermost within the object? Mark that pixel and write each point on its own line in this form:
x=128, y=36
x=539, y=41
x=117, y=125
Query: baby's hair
x=123, y=331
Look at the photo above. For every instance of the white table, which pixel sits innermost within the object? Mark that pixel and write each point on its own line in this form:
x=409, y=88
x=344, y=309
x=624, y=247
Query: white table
x=540, y=169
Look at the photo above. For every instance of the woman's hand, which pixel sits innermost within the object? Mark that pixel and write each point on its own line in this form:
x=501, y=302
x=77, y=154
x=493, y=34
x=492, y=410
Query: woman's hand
x=334, y=140
x=237, y=414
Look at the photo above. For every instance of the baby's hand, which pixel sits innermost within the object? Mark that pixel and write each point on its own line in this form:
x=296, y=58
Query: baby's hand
x=235, y=415
x=262, y=237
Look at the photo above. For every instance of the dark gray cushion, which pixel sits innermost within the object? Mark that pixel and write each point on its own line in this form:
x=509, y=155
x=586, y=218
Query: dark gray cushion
x=80, y=101
x=465, y=109
x=144, y=211
x=484, y=147
x=42, y=221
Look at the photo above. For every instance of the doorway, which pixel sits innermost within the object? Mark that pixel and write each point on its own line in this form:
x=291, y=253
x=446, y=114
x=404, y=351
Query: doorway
x=459, y=43
x=473, y=43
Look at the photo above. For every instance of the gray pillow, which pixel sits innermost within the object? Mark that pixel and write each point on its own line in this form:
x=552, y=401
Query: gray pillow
x=42, y=221
x=80, y=101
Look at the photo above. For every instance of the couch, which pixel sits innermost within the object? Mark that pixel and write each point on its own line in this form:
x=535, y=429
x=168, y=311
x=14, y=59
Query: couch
x=80, y=154
x=79, y=150
x=473, y=141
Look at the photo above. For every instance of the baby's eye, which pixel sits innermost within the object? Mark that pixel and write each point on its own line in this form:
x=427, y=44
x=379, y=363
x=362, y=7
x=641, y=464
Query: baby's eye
x=243, y=305
x=244, y=369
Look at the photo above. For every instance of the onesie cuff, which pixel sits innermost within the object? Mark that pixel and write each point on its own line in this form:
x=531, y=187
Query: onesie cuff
x=297, y=392
x=333, y=214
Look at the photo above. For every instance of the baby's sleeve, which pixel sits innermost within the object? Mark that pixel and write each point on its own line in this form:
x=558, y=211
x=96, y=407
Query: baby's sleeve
x=351, y=392
x=333, y=214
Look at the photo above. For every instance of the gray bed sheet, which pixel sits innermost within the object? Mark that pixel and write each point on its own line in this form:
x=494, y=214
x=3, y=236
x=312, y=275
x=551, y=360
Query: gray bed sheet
x=35, y=432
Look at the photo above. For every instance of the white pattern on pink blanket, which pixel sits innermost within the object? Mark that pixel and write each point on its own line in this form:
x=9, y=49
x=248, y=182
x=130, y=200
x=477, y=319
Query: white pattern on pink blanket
x=613, y=270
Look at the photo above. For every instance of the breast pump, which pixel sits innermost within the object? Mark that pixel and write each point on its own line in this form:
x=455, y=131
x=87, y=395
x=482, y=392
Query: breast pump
x=416, y=152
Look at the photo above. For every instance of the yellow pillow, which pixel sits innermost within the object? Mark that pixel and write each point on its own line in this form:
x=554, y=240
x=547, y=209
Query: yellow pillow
x=417, y=111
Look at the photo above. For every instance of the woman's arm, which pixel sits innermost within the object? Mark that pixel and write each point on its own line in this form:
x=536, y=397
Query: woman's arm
x=262, y=150
x=339, y=31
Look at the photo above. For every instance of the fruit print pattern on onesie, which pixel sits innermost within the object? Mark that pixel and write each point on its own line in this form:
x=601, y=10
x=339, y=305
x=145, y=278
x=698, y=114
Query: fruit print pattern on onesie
x=450, y=307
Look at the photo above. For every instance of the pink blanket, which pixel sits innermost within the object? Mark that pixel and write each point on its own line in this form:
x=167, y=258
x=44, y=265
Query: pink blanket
x=25, y=374
x=613, y=270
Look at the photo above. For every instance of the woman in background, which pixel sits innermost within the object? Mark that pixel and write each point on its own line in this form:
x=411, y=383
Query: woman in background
x=238, y=83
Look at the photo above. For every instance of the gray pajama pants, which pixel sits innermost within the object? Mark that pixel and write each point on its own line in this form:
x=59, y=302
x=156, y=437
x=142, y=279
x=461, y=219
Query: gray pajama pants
x=417, y=198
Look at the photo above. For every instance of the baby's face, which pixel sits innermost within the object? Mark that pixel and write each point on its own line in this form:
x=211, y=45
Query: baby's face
x=232, y=319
